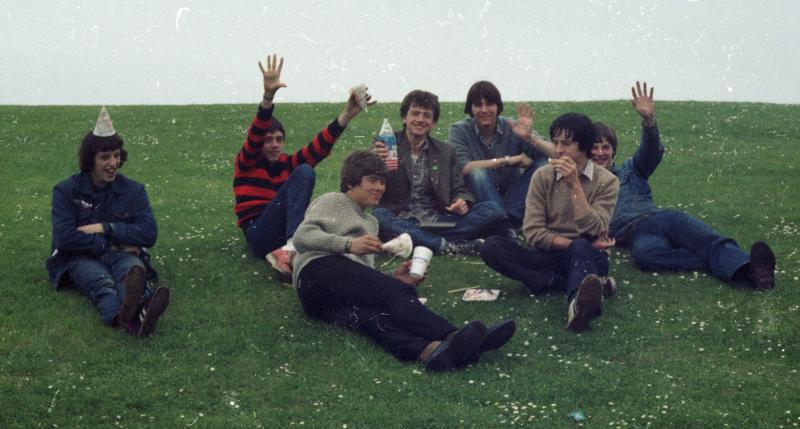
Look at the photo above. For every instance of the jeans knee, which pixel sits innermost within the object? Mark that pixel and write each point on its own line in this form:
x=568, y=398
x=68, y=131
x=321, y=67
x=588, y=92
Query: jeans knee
x=581, y=245
x=304, y=173
x=478, y=178
x=489, y=210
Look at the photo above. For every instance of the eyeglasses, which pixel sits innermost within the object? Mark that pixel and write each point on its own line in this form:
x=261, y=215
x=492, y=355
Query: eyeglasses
x=270, y=139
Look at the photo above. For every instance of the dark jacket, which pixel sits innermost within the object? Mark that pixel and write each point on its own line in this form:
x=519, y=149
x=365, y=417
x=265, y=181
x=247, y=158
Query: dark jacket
x=445, y=176
x=127, y=220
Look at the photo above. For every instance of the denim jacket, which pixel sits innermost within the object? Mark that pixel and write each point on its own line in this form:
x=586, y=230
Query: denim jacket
x=635, y=200
x=466, y=140
x=128, y=221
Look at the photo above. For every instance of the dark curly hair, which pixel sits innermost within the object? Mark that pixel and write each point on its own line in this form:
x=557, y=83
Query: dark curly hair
x=358, y=164
x=422, y=99
x=92, y=144
x=577, y=127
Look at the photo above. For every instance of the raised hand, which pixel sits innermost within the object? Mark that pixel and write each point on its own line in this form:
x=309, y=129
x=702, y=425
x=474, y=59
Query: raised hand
x=272, y=76
x=523, y=126
x=643, y=103
x=354, y=107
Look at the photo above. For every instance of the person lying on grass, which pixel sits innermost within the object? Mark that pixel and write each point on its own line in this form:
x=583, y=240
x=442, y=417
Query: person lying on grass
x=567, y=209
x=102, y=222
x=337, y=283
x=427, y=186
x=670, y=240
x=273, y=189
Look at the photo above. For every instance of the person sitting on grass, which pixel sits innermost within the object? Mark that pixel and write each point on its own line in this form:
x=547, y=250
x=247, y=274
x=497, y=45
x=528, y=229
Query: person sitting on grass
x=497, y=164
x=273, y=189
x=337, y=283
x=102, y=221
x=567, y=209
x=670, y=240
x=427, y=186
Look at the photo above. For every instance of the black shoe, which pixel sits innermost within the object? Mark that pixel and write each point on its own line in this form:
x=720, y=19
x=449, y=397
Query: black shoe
x=457, y=349
x=134, y=289
x=150, y=313
x=586, y=304
x=498, y=334
x=762, y=266
x=463, y=247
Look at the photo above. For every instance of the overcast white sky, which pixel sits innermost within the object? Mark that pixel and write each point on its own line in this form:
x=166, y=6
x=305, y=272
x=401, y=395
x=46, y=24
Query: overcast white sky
x=187, y=52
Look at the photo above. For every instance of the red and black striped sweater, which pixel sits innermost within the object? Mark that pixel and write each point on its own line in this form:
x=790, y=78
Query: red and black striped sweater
x=256, y=180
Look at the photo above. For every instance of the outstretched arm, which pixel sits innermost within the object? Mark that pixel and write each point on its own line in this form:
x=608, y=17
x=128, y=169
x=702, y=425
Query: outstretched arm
x=650, y=151
x=353, y=108
x=272, y=79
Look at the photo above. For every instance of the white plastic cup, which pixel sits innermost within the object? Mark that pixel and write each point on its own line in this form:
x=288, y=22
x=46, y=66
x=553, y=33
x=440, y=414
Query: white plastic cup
x=419, y=262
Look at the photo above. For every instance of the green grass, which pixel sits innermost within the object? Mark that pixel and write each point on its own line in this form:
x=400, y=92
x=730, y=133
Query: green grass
x=235, y=350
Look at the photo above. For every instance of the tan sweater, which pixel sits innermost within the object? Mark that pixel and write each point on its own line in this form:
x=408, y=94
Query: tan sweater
x=549, y=212
x=331, y=220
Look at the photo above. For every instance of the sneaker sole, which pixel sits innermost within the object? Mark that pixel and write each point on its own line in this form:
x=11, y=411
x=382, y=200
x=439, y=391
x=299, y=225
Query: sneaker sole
x=158, y=303
x=590, y=295
x=134, y=289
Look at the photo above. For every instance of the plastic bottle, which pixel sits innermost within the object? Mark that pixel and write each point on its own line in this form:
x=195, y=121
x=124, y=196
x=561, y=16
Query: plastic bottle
x=387, y=137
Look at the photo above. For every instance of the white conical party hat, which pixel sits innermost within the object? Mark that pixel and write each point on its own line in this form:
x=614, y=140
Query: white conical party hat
x=104, y=127
x=400, y=245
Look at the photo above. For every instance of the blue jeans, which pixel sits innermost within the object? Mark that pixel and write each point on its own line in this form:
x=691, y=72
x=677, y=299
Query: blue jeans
x=281, y=217
x=101, y=280
x=481, y=220
x=537, y=269
x=480, y=183
x=672, y=240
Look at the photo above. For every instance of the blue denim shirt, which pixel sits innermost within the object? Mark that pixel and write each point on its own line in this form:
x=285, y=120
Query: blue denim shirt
x=635, y=200
x=469, y=146
x=123, y=209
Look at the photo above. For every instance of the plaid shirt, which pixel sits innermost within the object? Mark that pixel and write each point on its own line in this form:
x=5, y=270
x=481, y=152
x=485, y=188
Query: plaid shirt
x=421, y=203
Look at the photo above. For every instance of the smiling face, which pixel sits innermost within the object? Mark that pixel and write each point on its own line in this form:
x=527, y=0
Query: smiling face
x=105, y=167
x=485, y=113
x=273, y=145
x=603, y=153
x=418, y=121
x=368, y=193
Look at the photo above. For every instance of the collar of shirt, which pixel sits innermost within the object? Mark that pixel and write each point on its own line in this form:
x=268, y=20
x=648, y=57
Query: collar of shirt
x=588, y=171
x=497, y=131
x=423, y=147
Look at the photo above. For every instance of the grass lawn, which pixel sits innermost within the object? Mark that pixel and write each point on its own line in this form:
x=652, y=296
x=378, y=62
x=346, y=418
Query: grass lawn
x=672, y=350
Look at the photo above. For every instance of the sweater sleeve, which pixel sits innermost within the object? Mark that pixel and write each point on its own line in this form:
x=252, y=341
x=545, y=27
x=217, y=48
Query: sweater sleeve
x=534, y=226
x=319, y=148
x=318, y=232
x=251, y=148
x=602, y=202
